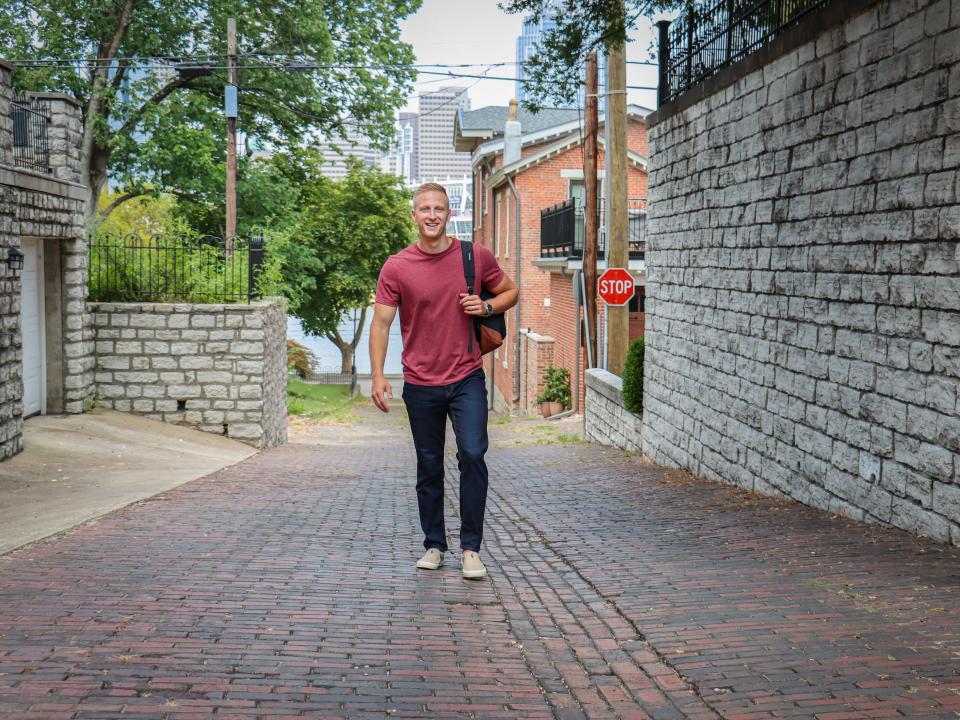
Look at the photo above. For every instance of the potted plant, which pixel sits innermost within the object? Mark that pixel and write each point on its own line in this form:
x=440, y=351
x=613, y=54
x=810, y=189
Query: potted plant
x=555, y=397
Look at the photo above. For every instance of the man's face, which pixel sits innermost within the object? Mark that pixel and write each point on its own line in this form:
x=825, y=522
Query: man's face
x=431, y=210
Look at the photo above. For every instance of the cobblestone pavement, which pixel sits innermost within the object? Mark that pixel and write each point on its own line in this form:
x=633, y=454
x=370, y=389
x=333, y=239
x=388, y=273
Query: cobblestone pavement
x=284, y=587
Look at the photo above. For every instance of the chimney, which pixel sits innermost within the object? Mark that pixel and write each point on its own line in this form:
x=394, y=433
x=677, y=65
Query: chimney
x=511, y=135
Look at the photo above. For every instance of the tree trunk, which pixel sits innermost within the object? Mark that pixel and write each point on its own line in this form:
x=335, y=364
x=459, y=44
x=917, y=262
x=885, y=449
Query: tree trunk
x=96, y=177
x=348, y=348
x=346, y=359
x=346, y=351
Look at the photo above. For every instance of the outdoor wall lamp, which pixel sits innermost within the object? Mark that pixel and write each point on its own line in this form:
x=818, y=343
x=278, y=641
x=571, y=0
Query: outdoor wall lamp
x=15, y=260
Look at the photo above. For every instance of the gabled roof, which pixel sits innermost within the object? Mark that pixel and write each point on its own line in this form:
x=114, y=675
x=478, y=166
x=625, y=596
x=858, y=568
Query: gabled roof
x=487, y=123
x=571, y=140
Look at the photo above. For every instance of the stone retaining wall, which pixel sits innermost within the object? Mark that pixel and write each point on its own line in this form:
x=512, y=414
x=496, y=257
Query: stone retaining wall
x=536, y=355
x=49, y=208
x=803, y=333
x=219, y=368
x=605, y=419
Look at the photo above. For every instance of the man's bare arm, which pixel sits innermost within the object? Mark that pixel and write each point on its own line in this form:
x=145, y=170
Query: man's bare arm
x=381, y=390
x=505, y=297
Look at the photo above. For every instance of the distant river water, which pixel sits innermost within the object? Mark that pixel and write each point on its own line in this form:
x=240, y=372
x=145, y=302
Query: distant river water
x=328, y=356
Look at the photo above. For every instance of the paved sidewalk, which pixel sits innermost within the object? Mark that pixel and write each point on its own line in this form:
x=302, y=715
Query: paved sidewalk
x=284, y=587
x=78, y=467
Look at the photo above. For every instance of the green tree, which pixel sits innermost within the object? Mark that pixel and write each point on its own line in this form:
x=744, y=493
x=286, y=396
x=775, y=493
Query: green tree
x=144, y=216
x=553, y=74
x=150, y=78
x=328, y=258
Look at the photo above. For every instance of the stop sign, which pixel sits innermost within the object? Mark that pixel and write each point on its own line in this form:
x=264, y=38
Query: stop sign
x=615, y=286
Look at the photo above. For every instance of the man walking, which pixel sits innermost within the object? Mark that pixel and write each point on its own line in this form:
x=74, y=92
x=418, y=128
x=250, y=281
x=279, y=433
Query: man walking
x=442, y=369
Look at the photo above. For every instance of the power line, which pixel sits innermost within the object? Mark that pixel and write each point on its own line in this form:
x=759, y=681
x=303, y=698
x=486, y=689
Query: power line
x=202, y=62
x=300, y=67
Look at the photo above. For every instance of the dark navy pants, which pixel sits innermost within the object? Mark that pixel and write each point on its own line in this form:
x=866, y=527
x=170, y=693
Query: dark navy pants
x=465, y=402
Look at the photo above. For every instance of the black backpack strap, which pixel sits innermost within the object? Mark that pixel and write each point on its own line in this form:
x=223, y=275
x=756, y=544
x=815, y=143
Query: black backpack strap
x=470, y=275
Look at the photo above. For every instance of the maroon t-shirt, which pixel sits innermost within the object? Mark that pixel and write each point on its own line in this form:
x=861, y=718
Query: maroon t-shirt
x=435, y=330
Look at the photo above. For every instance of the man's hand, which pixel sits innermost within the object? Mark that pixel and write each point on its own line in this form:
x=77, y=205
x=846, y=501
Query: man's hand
x=472, y=305
x=381, y=391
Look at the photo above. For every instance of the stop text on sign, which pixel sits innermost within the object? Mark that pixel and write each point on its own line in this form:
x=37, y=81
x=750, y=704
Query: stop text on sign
x=615, y=286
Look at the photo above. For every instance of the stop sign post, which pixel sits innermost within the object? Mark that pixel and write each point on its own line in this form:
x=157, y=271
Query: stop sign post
x=615, y=286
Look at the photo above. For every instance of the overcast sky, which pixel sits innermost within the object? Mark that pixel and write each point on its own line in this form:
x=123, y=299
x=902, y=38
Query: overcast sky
x=477, y=31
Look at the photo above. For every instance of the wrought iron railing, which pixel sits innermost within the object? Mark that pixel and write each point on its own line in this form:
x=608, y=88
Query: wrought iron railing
x=710, y=35
x=133, y=268
x=31, y=143
x=562, y=229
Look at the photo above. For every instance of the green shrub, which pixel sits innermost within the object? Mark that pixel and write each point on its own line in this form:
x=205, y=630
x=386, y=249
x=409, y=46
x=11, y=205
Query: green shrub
x=556, y=387
x=633, y=377
x=179, y=266
x=300, y=360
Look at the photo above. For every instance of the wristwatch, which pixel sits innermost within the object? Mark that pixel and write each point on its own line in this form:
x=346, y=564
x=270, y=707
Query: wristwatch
x=487, y=309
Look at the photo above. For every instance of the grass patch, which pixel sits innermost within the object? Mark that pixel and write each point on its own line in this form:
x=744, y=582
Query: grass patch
x=319, y=402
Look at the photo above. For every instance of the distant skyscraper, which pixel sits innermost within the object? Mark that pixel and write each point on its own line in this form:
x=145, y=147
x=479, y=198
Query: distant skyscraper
x=403, y=157
x=527, y=43
x=437, y=160
x=336, y=151
x=530, y=35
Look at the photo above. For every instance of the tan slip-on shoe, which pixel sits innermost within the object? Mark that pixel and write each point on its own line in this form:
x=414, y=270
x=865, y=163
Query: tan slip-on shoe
x=473, y=567
x=431, y=560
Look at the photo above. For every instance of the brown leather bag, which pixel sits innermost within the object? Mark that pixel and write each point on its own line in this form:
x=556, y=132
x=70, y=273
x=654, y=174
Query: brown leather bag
x=490, y=331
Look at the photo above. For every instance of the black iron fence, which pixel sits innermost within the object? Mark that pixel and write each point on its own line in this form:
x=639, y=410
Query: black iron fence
x=562, y=229
x=711, y=35
x=133, y=268
x=333, y=376
x=31, y=144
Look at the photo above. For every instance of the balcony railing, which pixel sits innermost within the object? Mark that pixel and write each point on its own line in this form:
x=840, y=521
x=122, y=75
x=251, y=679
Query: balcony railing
x=31, y=146
x=562, y=229
x=710, y=35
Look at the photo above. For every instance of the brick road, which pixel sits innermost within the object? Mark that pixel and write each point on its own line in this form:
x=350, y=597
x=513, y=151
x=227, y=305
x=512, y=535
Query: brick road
x=284, y=587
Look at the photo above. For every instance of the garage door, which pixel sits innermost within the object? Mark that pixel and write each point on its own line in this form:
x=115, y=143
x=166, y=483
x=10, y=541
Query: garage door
x=31, y=324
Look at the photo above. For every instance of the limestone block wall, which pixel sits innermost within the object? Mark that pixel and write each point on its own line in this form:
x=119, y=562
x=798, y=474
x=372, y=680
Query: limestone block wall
x=47, y=206
x=64, y=134
x=605, y=419
x=11, y=388
x=803, y=327
x=219, y=368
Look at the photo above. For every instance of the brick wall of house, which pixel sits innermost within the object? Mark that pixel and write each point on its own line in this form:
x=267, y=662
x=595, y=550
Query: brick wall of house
x=563, y=327
x=539, y=187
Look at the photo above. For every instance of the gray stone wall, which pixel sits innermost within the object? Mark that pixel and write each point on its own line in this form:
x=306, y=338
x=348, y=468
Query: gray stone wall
x=64, y=135
x=803, y=333
x=48, y=206
x=219, y=368
x=605, y=419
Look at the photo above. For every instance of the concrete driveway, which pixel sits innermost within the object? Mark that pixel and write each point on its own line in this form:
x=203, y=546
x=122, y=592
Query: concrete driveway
x=75, y=468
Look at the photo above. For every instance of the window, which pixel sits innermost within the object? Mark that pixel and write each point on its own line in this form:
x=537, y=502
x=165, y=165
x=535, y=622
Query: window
x=479, y=206
x=638, y=301
x=497, y=219
x=506, y=221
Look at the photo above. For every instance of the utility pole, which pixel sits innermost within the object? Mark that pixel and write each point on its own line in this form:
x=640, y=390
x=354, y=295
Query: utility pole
x=230, y=97
x=590, y=210
x=618, y=254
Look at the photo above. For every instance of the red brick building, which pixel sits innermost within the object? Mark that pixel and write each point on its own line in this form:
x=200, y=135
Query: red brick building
x=543, y=169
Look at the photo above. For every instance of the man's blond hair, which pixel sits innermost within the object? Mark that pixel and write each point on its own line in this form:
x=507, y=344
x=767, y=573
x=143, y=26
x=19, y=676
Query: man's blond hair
x=431, y=187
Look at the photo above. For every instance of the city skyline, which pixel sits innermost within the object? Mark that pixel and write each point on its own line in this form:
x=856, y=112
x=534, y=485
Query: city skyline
x=437, y=36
